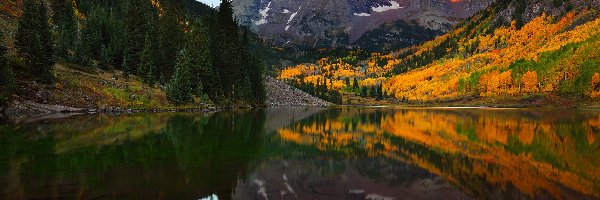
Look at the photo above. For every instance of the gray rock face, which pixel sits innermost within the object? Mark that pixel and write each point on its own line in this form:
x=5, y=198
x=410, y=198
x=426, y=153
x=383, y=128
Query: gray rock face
x=527, y=10
x=326, y=23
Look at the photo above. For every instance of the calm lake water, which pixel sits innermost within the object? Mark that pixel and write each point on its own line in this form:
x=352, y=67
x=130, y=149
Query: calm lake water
x=296, y=153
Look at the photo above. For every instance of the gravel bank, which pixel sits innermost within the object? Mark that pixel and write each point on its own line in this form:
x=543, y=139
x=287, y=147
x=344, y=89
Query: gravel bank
x=281, y=94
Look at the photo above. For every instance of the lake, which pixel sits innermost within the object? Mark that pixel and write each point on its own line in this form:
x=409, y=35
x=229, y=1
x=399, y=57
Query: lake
x=307, y=153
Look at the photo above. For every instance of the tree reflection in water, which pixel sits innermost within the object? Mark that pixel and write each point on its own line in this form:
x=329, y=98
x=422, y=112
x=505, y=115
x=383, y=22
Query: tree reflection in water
x=338, y=153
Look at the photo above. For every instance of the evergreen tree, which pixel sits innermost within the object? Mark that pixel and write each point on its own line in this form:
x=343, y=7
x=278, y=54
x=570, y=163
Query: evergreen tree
x=135, y=31
x=204, y=78
x=347, y=82
x=179, y=89
x=148, y=70
x=355, y=83
x=380, y=92
x=334, y=97
x=64, y=18
x=104, y=58
x=171, y=34
x=34, y=40
x=226, y=48
x=241, y=76
x=7, y=77
x=257, y=82
x=27, y=31
x=91, y=35
x=373, y=91
x=363, y=91
x=116, y=41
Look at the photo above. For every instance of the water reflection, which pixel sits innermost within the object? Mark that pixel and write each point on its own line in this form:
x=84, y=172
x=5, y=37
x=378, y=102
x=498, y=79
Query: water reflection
x=484, y=153
x=342, y=153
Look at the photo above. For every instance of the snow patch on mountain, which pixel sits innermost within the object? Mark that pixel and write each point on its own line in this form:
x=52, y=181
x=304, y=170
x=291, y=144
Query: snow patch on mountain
x=264, y=13
x=292, y=18
x=395, y=5
x=362, y=14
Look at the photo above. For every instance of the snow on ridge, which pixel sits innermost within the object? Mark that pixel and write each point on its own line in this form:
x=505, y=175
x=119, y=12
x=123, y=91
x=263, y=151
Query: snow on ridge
x=362, y=14
x=292, y=18
x=395, y=5
x=285, y=11
x=264, y=13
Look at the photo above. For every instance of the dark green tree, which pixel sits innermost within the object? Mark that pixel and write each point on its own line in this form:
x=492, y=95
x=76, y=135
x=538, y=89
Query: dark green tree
x=204, y=78
x=226, y=56
x=91, y=38
x=148, y=69
x=116, y=42
x=355, y=83
x=373, y=91
x=171, y=34
x=7, y=77
x=347, y=82
x=34, y=40
x=66, y=24
x=259, y=92
x=364, y=91
x=135, y=31
x=179, y=89
x=380, y=92
x=105, y=62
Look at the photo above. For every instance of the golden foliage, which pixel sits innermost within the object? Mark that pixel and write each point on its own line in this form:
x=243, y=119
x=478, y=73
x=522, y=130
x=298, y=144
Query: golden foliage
x=495, y=53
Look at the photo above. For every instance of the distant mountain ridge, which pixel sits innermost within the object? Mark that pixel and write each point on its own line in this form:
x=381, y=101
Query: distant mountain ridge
x=333, y=23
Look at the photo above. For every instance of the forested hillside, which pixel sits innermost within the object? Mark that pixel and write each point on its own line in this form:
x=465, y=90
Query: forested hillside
x=185, y=49
x=515, y=48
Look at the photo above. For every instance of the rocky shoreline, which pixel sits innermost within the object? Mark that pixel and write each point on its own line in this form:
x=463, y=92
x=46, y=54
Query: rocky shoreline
x=26, y=111
x=279, y=94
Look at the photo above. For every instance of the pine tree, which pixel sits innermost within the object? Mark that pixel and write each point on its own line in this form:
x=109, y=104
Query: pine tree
x=259, y=92
x=355, y=83
x=34, y=40
x=373, y=91
x=135, y=30
x=204, y=78
x=64, y=18
x=380, y=92
x=7, y=77
x=363, y=91
x=179, y=89
x=227, y=52
x=242, y=72
x=116, y=40
x=104, y=58
x=347, y=82
x=27, y=31
x=148, y=69
x=171, y=34
x=91, y=35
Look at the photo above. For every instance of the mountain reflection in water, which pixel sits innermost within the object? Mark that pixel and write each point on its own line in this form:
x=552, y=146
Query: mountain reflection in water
x=297, y=153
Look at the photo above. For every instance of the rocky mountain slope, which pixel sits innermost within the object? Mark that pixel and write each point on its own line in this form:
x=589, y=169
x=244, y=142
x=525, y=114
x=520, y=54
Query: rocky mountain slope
x=326, y=23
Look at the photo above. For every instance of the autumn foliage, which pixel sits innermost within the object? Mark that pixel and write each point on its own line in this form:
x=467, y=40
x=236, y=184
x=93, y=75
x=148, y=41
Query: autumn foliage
x=543, y=56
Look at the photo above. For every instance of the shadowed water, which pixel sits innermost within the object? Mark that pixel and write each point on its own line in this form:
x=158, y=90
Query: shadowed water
x=295, y=153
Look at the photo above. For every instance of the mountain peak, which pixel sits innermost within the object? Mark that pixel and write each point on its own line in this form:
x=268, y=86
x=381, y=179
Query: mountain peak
x=327, y=23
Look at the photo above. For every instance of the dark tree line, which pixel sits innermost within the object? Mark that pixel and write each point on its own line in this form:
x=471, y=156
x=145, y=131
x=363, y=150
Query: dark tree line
x=373, y=92
x=7, y=77
x=206, y=56
x=319, y=90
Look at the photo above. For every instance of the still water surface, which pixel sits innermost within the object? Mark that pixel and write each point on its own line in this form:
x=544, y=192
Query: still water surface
x=296, y=153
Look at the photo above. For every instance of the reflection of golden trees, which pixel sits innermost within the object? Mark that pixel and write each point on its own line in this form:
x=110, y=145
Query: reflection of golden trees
x=503, y=147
